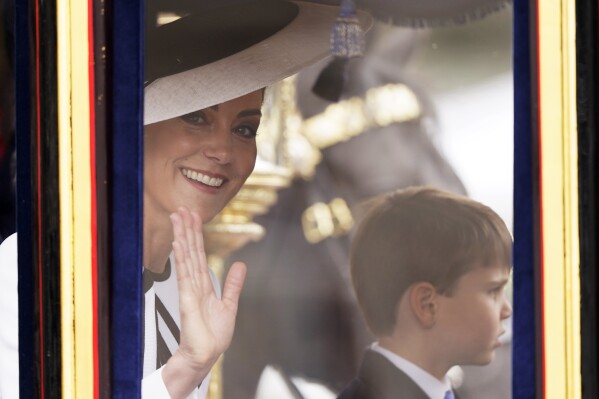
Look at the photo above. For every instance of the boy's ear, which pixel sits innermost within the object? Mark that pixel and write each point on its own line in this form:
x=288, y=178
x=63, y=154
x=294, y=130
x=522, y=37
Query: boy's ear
x=423, y=302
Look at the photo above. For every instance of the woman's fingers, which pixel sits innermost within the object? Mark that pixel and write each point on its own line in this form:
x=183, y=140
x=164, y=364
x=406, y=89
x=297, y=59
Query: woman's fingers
x=199, y=242
x=191, y=264
x=179, y=247
x=190, y=240
x=190, y=254
x=233, y=285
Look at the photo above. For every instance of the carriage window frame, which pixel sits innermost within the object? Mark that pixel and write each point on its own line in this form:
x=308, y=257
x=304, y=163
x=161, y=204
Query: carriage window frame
x=544, y=70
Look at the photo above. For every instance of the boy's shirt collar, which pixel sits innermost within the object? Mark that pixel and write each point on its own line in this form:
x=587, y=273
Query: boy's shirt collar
x=434, y=388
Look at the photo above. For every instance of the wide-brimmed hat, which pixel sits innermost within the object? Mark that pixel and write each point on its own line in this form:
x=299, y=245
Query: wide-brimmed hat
x=210, y=57
x=224, y=49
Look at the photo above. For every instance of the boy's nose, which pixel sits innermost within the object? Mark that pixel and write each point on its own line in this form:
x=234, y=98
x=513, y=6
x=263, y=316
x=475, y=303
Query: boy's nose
x=506, y=309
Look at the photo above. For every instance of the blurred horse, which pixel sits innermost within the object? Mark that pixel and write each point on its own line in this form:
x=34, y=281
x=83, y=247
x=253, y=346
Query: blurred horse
x=298, y=310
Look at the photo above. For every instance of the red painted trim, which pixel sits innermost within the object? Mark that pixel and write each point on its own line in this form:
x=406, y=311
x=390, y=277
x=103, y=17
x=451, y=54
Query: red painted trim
x=94, y=227
x=540, y=177
x=3, y=141
x=40, y=269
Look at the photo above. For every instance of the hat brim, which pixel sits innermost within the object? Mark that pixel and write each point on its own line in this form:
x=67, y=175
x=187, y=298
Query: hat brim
x=431, y=13
x=304, y=41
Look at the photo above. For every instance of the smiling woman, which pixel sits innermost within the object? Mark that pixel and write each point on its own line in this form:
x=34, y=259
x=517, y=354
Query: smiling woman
x=205, y=76
x=199, y=160
x=203, y=100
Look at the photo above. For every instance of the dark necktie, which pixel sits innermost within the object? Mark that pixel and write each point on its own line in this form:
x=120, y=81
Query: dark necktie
x=448, y=395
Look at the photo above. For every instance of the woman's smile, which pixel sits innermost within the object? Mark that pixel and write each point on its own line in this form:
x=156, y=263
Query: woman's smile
x=204, y=178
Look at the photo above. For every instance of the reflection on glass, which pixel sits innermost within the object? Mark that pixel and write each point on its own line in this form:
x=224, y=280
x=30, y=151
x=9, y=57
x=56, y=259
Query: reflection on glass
x=298, y=315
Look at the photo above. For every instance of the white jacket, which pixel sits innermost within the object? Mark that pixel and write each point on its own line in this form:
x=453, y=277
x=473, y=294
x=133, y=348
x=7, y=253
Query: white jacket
x=152, y=384
x=9, y=316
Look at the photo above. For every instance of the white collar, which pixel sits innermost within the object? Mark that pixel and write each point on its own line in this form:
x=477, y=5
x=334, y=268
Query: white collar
x=434, y=388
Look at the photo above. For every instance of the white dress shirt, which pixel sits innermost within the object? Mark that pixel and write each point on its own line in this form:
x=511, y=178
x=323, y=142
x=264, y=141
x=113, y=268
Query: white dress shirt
x=434, y=388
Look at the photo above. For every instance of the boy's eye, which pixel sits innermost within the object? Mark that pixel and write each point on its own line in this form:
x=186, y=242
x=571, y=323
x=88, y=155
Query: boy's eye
x=496, y=292
x=194, y=118
x=246, y=131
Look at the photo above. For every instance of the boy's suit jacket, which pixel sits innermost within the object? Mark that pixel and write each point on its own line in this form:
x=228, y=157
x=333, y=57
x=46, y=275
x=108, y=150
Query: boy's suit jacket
x=378, y=378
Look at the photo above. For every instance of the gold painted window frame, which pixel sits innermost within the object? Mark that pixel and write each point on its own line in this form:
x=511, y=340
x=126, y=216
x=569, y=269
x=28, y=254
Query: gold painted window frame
x=558, y=157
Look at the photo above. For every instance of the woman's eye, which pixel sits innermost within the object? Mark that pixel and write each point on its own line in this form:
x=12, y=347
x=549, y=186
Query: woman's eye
x=194, y=118
x=246, y=131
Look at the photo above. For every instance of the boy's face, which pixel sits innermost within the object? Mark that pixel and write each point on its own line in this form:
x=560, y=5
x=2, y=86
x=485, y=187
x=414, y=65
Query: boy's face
x=469, y=321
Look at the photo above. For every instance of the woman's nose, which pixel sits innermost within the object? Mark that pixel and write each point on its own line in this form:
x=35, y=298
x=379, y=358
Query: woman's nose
x=219, y=147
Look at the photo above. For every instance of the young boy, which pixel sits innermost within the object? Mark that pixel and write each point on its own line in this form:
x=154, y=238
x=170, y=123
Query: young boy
x=429, y=269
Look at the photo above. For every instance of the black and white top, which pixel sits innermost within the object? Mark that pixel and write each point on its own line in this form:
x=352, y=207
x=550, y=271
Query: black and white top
x=161, y=289
x=162, y=310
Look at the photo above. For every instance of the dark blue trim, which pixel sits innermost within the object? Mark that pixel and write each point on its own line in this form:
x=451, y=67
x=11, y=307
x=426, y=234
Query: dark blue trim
x=126, y=162
x=29, y=372
x=525, y=211
x=587, y=93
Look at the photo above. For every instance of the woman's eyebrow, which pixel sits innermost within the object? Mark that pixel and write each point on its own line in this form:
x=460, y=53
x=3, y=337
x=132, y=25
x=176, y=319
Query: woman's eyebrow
x=250, y=112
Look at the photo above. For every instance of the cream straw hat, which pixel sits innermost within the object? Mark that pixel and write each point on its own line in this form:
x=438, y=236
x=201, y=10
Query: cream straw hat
x=207, y=58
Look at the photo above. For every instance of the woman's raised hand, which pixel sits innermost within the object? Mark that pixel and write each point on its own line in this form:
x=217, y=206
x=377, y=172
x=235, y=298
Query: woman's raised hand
x=207, y=321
